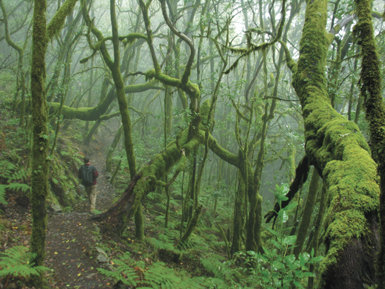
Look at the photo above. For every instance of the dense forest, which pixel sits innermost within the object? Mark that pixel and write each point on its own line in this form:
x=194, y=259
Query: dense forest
x=238, y=144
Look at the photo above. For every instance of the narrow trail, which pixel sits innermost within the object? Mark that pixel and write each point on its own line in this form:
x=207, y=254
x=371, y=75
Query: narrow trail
x=72, y=240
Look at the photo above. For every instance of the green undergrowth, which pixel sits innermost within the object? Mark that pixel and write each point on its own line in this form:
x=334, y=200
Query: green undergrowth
x=161, y=261
x=15, y=266
x=15, y=163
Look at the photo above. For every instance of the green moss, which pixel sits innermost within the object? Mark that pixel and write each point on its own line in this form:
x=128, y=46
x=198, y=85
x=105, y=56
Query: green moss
x=346, y=226
x=190, y=88
x=58, y=20
x=371, y=91
x=354, y=195
x=334, y=145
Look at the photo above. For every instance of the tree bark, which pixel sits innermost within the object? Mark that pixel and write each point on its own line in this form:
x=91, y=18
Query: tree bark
x=39, y=181
x=375, y=110
x=339, y=151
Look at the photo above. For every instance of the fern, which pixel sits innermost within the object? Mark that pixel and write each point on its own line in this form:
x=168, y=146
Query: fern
x=158, y=276
x=14, y=262
x=2, y=194
x=6, y=169
x=212, y=282
x=163, y=242
x=20, y=174
x=122, y=271
x=214, y=267
x=14, y=187
x=19, y=187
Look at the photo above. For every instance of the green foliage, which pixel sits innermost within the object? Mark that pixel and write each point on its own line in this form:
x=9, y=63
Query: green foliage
x=19, y=187
x=122, y=271
x=161, y=242
x=277, y=269
x=158, y=275
x=2, y=194
x=14, y=263
x=277, y=266
x=14, y=179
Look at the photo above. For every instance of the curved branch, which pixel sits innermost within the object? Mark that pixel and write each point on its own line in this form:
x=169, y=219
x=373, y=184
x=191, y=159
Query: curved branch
x=6, y=30
x=94, y=113
x=185, y=38
x=253, y=47
x=146, y=19
x=189, y=87
x=98, y=34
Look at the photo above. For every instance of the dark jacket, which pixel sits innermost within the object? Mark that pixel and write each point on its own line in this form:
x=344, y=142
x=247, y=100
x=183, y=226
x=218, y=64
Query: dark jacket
x=94, y=172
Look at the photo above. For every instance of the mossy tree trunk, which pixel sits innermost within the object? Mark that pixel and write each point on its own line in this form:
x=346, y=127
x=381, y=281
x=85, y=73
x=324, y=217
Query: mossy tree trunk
x=370, y=82
x=41, y=34
x=307, y=212
x=114, y=66
x=126, y=120
x=239, y=217
x=340, y=153
x=39, y=181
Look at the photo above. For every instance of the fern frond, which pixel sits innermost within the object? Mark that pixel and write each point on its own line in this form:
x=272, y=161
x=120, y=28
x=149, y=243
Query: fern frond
x=19, y=187
x=159, y=277
x=6, y=169
x=15, y=262
x=19, y=174
x=125, y=274
x=2, y=194
x=122, y=270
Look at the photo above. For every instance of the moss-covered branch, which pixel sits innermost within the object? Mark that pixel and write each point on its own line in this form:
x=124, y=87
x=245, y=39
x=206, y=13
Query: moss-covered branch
x=221, y=152
x=147, y=24
x=340, y=153
x=145, y=182
x=94, y=113
x=289, y=60
x=58, y=19
x=190, y=88
x=148, y=177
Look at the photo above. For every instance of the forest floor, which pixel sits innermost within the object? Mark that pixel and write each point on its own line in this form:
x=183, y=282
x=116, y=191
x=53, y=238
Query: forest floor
x=73, y=249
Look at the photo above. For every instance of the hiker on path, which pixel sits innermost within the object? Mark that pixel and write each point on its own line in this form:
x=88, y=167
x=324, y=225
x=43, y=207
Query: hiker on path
x=88, y=175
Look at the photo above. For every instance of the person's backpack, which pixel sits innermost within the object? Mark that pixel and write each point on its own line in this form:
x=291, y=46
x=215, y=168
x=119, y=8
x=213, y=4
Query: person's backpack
x=87, y=175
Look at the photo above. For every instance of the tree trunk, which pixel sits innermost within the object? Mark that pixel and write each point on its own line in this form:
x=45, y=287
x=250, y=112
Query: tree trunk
x=39, y=181
x=126, y=121
x=339, y=151
x=307, y=212
x=375, y=110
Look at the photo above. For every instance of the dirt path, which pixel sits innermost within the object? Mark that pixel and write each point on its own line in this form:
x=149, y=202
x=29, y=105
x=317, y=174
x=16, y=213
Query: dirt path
x=72, y=241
